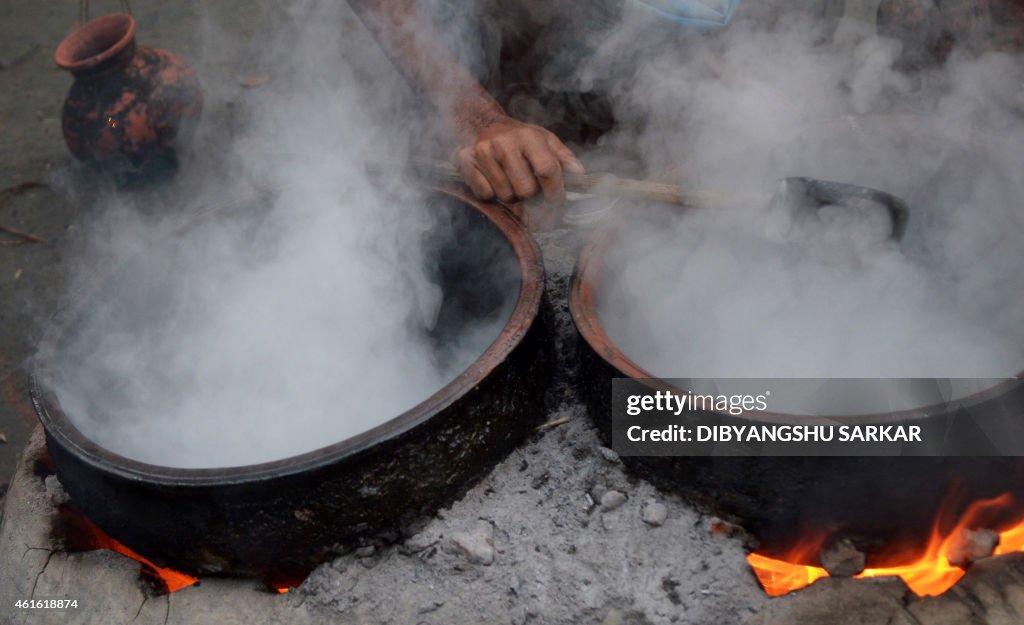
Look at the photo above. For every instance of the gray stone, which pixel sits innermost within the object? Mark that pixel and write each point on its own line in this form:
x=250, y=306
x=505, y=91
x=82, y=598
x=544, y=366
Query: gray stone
x=841, y=558
x=365, y=551
x=654, y=513
x=970, y=545
x=419, y=542
x=55, y=491
x=476, y=546
x=609, y=455
x=612, y=500
x=433, y=606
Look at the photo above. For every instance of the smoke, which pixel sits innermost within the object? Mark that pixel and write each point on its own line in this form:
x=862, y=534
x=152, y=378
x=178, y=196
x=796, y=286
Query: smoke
x=276, y=299
x=753, y=291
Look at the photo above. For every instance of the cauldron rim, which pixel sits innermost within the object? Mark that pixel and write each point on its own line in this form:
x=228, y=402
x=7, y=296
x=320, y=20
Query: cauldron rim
x=583, y=309
x=531, y=287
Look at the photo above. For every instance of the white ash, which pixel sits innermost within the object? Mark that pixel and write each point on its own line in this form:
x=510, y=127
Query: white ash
x=558, y=559
x=555, y=560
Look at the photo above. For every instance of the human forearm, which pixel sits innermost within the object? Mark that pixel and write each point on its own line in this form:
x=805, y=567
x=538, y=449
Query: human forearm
x=411, y=40
x=497, y=155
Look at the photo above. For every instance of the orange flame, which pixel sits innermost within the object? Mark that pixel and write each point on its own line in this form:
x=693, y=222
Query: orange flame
x=81, y=534
x=173, y=580
x=84, y=535
x=929, y=575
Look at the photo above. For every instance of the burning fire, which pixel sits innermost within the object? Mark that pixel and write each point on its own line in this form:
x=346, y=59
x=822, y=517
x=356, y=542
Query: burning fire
x=930, y=574
x=84, y=535
x=172, y=580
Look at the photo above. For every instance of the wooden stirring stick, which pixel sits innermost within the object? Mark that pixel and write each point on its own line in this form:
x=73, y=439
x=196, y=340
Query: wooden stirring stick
x=607, y=185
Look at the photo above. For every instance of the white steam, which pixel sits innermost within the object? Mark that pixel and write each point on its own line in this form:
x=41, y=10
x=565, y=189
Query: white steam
x=754, y=292
x=294, y=311
x=259, y=332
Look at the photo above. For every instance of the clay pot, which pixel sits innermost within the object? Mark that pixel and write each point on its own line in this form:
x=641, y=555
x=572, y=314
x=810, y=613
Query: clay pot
x=129, y=104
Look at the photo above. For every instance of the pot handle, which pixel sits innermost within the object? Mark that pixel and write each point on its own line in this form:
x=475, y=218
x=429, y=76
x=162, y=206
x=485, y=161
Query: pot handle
x=814, y=194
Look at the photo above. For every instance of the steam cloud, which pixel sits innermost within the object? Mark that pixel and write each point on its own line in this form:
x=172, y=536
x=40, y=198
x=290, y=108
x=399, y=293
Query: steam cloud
x=756, y=292
x=288, y=304
x=247, y=339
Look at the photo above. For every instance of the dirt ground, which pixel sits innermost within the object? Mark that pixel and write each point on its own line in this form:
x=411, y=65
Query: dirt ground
x=31, y=150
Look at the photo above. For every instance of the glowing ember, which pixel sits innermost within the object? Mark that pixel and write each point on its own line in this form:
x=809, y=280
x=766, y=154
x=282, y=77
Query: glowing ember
x=173, y=580
x=931, y=574
x=81, y=534
x=84, y=535
x=779, y=577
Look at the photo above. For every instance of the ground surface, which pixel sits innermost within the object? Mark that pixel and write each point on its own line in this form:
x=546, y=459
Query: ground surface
x=31, y=149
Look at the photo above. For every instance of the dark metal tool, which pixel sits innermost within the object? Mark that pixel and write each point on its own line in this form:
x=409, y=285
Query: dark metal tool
x=799, y=192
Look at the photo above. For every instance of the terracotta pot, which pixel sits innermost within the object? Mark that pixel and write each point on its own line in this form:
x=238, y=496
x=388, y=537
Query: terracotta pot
x=128, y=103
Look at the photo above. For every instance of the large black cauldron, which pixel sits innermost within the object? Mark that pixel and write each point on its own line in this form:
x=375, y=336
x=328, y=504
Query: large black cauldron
x=278, y=520
x=887, y=505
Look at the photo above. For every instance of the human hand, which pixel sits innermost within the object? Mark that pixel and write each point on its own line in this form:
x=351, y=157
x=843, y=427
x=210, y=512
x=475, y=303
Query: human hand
x=513, y=161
